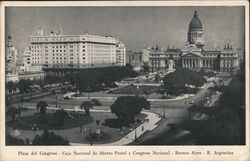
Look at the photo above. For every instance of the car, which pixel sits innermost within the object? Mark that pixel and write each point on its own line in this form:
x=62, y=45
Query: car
x=26, y=100
x=192, y=102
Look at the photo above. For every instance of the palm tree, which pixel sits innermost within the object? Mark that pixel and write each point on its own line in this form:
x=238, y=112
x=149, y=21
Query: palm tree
x=86, y=105
x=12, y=112
x=42, y=106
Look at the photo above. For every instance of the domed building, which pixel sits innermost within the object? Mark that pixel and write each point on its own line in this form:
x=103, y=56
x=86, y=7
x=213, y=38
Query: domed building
x=195, y=32
x=195, y=56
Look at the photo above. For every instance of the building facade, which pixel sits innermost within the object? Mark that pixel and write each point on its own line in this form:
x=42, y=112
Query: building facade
x=120, y=54
x=31, y=75
x=10, y=57
x=74, y=51
x=135, y=59
x=195, y=56
x=27, y=56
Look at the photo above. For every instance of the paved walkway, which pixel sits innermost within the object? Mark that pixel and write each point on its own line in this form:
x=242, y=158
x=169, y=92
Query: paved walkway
x=184, y=96
x=130, y=137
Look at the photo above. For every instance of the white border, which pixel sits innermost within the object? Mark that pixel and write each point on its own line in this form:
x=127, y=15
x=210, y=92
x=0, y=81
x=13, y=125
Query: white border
x=10, y=152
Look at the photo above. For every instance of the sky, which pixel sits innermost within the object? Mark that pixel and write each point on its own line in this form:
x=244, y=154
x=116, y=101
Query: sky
x=136, y=27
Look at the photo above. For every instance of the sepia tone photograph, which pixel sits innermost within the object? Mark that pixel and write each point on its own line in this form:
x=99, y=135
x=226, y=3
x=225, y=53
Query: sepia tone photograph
x=159, y=75
x=143, y=81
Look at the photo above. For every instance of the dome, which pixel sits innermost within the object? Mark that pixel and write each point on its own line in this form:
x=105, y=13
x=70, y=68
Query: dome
x=195, y=23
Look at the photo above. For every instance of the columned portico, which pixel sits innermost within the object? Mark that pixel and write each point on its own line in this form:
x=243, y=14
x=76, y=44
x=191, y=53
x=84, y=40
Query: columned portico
x=190, y=62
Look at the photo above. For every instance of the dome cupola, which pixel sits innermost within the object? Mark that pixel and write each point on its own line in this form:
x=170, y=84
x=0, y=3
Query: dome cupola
x=195, y=33
x=195, y=23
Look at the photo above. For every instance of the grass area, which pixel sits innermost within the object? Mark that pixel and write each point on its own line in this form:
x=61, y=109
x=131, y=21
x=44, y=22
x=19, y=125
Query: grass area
x=134, y=90
x=48, y=122
x=98, y=137
x=121, y=123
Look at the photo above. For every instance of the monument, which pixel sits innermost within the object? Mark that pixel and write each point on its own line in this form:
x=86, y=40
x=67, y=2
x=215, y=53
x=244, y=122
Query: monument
x=170, y=66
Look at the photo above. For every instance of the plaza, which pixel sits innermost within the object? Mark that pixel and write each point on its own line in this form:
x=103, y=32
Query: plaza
x=79, y=89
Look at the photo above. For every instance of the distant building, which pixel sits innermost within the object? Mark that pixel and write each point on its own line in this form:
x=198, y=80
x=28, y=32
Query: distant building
x=58, y=50
x=31, y=75
x=28, y=71
x=145, y=55
x=195, y=56
x=27, y=56
x=135, y=59
x=120, y=54
x=10, y=77
x=10, y=57
x=158, y=58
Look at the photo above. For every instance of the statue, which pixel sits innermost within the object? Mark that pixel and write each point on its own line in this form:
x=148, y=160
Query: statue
x=170, y=65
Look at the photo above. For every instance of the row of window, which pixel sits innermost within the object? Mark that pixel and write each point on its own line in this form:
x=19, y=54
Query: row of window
x=57, y=39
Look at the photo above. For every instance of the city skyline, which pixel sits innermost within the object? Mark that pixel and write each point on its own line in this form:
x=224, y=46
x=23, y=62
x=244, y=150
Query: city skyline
x=137, y=27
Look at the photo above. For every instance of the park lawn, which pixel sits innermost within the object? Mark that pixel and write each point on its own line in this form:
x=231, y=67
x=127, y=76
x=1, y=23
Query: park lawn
x=46, y=121
x=134, y=90
x=111, y=134
x=74, y=135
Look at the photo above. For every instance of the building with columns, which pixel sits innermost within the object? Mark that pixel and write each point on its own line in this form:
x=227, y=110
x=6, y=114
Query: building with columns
x=195, y=56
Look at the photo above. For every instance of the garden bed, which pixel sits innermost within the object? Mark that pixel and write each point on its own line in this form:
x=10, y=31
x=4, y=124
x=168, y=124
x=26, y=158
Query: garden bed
x=46, y=121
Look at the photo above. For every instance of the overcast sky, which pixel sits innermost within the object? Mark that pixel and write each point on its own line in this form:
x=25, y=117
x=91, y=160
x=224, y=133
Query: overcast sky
x=137, y=27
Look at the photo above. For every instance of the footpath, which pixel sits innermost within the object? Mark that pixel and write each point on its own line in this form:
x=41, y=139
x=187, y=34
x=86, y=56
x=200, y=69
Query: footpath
x=149, y=125
x=184, y=96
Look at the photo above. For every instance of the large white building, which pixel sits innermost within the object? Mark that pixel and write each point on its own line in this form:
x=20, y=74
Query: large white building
x=66, y=51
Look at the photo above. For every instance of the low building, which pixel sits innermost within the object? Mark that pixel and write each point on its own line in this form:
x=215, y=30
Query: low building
x=11, y=77
x=31, y=75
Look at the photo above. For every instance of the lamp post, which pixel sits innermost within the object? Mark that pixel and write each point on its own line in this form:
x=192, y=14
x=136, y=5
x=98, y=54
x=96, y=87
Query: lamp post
x=138, y=90
x=90, y=136
x=164, y=112
x=34, y=128
x=88, y=90
x=103, y=86
x=135, y=132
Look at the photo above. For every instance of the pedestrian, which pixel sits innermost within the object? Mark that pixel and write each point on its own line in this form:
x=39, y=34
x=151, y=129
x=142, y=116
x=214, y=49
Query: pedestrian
x=81, y=129
x=142, y=128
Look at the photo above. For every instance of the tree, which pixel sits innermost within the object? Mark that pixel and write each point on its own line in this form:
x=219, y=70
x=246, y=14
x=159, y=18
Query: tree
x=146, y=69
x=157, y=78
x=223, y=130
x=86, y=106
x=42, y=107
x=127, y=107
x=175, y=83
x=49, y=138
x=11, y=86
x=52, y=79
x=24, y=85
x=10, y=140
x=96, y=102
x=12, y=112
x=95, y=77
x=59, y=117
